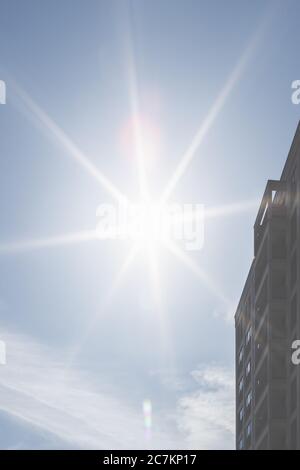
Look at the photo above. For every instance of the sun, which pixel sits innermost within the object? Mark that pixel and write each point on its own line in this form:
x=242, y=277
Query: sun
x=150, y=223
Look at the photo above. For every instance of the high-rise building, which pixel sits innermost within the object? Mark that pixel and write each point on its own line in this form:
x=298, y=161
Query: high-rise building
x=268, y=320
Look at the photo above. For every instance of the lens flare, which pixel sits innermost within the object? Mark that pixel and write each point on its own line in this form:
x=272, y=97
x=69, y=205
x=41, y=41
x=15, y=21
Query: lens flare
x=149, y=134
x=147, y=410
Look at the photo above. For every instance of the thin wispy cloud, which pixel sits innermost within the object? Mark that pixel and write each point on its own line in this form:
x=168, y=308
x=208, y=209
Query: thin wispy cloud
x=206, y=416
x=36, y=388
x=81, y=411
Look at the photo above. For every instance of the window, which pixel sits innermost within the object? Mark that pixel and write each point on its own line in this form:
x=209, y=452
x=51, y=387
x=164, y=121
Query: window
x=241, y=385
x=248, y=368
x=241, y=414
x=241, y=355
x=248, y=335
x=248, y=399
x=249, y=430
x=241, y=444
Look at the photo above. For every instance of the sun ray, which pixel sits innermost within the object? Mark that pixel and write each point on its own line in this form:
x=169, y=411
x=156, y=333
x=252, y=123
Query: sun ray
x=136, y=116
x=38, y=243
x=161, y=311
x=139, y=144
x=55, y=131
x=213, y=212
x=231, y=209
x=122, y=272
x=103, y=310
x=149, y=245
x=212, y=115
x=197, y=271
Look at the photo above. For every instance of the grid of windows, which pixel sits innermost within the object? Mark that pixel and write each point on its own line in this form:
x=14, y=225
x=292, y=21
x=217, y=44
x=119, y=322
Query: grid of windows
x=267, y=409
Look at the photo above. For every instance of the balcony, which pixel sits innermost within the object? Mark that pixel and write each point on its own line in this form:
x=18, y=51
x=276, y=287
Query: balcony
x=273, y=205
x=261, y=303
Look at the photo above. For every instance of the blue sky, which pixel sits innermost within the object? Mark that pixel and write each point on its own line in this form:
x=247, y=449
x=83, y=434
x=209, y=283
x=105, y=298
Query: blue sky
x=71, y=60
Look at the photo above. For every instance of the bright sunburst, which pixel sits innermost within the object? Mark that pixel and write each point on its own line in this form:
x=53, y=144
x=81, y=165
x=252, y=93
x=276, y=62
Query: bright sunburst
x=151, y=223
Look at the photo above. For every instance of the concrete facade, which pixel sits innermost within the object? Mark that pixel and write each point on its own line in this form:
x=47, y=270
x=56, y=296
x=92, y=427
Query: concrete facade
x=268, y=320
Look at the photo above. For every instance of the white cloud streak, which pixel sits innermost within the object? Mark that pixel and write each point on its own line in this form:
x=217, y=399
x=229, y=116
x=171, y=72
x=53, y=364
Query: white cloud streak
x=80, y=412
x=38, y=390
x=206, y=416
